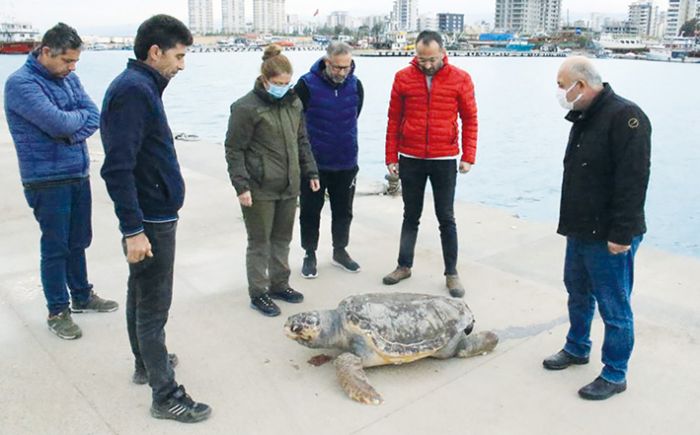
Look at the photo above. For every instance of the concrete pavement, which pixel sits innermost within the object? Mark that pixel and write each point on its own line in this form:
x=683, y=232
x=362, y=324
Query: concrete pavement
x=259, y=382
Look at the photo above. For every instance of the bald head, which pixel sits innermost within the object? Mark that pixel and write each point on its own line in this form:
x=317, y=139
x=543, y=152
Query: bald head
x=577, y=68
x=577, y=73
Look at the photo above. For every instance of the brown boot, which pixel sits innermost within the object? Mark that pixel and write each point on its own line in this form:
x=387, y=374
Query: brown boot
x=454, y=285
x=400, y=273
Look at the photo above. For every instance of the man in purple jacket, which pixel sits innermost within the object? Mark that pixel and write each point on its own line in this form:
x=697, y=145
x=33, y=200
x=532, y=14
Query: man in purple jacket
x=50, y=116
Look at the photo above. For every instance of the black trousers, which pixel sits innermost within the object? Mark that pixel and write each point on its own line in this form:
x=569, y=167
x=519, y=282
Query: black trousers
x=414, y=174
x=148, y=299
x=341, y=192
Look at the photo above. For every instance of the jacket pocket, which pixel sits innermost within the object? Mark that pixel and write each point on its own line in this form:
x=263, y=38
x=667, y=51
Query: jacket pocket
x=255, y=167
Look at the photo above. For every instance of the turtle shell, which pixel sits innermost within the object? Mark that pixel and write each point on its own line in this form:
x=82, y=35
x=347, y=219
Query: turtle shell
x=404, y=324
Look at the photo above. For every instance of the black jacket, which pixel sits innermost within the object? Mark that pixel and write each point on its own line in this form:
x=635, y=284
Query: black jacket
x=140, y=168
x=606, y=171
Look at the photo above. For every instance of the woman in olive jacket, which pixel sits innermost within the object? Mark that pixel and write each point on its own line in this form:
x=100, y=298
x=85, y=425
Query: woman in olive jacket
x=267, y=151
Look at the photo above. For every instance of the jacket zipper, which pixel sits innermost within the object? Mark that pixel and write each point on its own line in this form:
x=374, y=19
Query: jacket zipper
x=427, y=121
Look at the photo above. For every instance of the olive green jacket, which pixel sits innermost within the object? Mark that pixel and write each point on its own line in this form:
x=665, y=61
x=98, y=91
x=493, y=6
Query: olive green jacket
x=267, y=149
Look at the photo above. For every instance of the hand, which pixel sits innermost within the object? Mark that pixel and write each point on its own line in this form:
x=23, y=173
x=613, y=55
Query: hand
x=616, y=249
x=315, y=184
x=246, y=199
x=138, y=247
x=393, y=168
x=464, y=167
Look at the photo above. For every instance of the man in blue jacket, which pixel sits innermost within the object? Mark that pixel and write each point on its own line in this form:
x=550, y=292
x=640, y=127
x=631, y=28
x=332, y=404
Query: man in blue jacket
x=144, y=181
x=50, y=116
x=332, y=98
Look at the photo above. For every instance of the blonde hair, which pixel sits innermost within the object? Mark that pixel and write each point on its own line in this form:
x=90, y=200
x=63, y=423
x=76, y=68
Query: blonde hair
x=274, y=62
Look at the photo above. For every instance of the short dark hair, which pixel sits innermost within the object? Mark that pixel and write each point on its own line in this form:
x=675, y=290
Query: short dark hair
x=60, y=38
x=161, y=30
x=428, y=36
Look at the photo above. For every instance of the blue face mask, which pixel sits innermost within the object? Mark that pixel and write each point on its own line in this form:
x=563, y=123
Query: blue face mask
x=278, y=91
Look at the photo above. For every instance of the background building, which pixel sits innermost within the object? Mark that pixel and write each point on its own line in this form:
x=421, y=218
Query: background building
x=405, y=15
x=201, y=16
x=269, y=16
x=339, y=18
x=528, y=16
x=643, y=16
x=427, y=22
x=232, y=16
x=450, y=23
x=679, y=11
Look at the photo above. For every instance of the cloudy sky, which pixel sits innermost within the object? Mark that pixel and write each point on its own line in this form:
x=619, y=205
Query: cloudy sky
x=105, y=15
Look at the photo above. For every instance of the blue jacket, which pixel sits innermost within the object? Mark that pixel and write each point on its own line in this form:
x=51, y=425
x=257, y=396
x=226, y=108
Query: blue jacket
x=49, y=119
x=140, y=168
x=331, y=117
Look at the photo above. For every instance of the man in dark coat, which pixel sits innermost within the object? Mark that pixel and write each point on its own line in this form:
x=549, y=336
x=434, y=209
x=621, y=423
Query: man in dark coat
x=143, y=179
x=606, y=172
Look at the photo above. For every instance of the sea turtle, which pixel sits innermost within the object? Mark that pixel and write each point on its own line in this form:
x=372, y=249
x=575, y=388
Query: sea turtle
x=389, y=328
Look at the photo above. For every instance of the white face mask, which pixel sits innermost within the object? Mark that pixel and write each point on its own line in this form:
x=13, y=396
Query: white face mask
x=561, y=96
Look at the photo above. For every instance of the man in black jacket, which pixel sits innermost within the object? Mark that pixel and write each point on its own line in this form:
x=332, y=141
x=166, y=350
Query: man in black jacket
x=144, y=181
x=606, y=172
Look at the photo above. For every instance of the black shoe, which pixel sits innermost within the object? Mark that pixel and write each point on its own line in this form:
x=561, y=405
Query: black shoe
x=600, y=389
x=342, y=259
x=562, y=360
x=308, y=269
x=288, y=295
x=265, y=305
x=141, y=377
x=180, y=406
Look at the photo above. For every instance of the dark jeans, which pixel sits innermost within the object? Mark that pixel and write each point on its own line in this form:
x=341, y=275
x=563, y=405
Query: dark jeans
x=149, y=294
x=341, y=192
x=592, y=274
x=269, y=225
x=414, y=174
x=63, y=210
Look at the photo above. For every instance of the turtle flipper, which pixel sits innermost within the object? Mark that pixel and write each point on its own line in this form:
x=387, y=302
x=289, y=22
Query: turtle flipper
x=352, y=378
x=477, y=344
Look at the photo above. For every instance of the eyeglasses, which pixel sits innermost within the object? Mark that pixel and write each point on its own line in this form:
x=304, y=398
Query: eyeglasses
x=424, y=60
x=340, y=68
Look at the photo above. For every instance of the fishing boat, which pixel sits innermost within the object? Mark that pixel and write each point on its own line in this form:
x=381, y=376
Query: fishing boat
x=17, y=38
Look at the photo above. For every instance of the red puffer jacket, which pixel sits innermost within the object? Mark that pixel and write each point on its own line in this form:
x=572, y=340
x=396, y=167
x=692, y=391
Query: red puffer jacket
x=424, y=124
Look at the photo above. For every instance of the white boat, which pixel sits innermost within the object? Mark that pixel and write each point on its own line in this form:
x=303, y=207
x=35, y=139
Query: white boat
x=621, y=43
x=659, y=53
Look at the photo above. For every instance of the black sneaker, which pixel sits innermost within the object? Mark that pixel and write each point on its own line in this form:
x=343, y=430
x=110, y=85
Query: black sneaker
x=308, y=268
x=342, y=259
x=265, y=305
x=179, y=406
x=288, y=295
x=141, y=377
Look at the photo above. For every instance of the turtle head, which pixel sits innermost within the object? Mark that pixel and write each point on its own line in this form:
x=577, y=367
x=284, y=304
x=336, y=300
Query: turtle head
x=305, y=328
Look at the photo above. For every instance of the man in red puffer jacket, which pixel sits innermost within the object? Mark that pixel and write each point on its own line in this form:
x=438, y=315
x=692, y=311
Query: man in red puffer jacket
x=422, y=142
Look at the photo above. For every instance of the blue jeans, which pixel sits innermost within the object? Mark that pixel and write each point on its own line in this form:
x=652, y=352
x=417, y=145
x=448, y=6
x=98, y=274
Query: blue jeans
x=63, y=210
x=414, y=174
x=148, y=299
x=592, y=274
